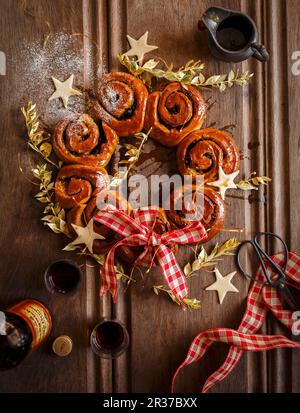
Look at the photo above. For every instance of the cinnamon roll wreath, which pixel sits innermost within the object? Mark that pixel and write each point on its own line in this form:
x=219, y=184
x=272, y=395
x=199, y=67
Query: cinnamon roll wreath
x=123, y=108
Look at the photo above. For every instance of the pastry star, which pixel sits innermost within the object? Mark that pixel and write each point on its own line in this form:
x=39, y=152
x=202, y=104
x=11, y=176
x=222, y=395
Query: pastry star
x=64, y=90
x=222, y=285
x=139, y=47
x=86, y=236
x=225, y=181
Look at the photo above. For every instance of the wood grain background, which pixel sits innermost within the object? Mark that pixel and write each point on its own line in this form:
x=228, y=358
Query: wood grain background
x=266, y=119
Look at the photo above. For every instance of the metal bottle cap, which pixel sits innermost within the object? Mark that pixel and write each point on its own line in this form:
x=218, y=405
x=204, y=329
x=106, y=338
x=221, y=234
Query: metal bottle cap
x=62, y=346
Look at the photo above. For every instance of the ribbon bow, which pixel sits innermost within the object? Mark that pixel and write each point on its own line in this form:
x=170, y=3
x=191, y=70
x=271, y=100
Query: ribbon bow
x=261, y=298
x=138, y=231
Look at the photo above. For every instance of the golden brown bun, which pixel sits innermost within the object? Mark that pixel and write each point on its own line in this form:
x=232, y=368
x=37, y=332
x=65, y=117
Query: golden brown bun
x=81, y=142
x=174, y=112
x=203, y=151
x=183, y=213
x=121, y=102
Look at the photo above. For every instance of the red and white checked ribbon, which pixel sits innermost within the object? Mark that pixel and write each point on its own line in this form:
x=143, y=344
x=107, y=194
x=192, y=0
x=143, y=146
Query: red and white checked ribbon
x=138, y=231
x=261, y=298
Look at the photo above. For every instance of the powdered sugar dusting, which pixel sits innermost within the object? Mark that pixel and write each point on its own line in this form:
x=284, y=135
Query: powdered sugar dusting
x=63, y=54
x=110, y=97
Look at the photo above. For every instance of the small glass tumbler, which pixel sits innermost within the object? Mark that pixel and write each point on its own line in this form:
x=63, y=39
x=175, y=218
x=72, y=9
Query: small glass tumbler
x=63, y=277
x=109, y=339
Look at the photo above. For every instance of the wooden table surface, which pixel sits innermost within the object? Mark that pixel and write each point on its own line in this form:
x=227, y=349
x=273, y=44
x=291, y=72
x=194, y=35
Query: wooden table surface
x=266, y=115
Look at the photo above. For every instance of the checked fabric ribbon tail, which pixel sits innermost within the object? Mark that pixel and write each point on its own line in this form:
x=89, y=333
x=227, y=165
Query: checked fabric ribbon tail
x=261, y=298
x=137, y=230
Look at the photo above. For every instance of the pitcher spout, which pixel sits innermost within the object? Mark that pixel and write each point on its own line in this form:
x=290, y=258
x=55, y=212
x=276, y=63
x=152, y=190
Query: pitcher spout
x=213, y=17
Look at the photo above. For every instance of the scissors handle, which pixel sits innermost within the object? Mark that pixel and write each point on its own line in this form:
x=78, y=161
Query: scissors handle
x=256, y=248
x=264, y=257
x=238, y=254
x=267, y=256
x=280, y=270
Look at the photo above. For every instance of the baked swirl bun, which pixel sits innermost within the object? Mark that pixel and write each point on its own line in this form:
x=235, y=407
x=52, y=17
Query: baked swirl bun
x=82, y=214
x=121, y=102
x=77, y=184
x=191, y=203
x=81, y=141
x=203, y=151
x=174, y=112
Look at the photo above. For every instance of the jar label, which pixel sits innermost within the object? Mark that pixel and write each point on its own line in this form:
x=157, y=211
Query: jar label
x=37, y=317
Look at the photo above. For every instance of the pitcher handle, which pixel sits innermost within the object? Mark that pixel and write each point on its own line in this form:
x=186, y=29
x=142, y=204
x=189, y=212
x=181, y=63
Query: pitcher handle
x=260, y=52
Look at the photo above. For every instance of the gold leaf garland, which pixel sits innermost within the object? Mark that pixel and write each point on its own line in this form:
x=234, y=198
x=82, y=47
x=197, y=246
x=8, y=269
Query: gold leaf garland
x=205, y=260
x=133, y=154
x=189, y=74
x=55, y=215
x=120, y=272
x=189, y=303
x=38, y=138
x=253, y=182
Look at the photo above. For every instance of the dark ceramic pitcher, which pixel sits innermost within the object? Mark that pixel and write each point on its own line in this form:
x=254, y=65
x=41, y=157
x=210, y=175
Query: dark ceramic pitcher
x=232, y=36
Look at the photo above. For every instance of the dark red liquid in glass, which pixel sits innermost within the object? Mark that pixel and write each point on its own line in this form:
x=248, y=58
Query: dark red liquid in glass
x=63, y=277
x=110, y=335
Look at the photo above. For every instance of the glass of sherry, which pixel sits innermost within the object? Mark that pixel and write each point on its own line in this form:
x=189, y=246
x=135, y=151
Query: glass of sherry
x=109, y=339
x=63, y=277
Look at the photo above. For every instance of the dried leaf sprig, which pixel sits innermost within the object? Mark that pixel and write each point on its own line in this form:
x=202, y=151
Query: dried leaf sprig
x=100, y=259
x=120, y=272
x=189, y=303
x=55, y=215
x=205, y=260
x=38, y=138
x=253, y=182
x=133, y=154
x=222, y=82
x=191, y=68
x=189, y=74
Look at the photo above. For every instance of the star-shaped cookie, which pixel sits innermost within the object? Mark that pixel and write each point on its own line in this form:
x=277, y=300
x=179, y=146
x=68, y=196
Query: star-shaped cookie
x=139, y=47
x=86, y=236
x=225, y=181
x=222, y=285
x=64, y=90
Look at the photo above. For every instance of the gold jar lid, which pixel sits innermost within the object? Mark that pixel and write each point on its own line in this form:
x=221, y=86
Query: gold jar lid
x=62, y=346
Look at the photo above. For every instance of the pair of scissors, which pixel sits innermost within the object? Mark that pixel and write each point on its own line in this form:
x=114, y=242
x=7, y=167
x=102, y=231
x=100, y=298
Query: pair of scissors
x=280, y=279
